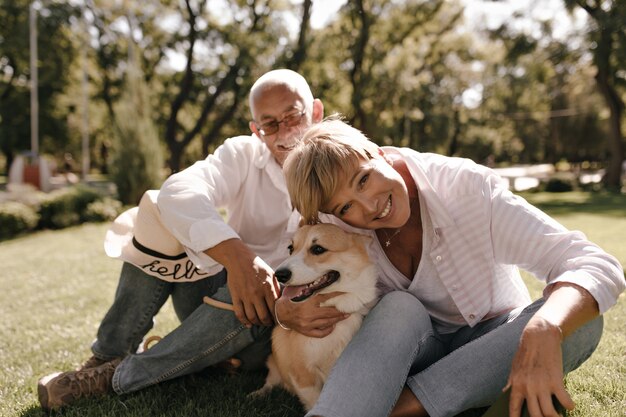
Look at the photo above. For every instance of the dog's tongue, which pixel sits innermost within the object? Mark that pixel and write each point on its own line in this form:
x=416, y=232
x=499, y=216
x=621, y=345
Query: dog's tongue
x=292, y=291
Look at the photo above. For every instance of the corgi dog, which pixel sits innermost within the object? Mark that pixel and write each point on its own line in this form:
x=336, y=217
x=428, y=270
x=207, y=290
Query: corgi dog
x=324, y=258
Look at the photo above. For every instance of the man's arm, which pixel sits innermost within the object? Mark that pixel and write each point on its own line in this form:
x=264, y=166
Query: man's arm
x=188, y=202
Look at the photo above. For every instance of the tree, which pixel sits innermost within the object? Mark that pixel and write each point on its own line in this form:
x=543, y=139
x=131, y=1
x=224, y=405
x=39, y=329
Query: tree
x=607, y=34
x=138, y=159
x=293, y=58
x=385, y=64
x=537, y=104
x=56, y=52
x=223, y=50
x=250, y=35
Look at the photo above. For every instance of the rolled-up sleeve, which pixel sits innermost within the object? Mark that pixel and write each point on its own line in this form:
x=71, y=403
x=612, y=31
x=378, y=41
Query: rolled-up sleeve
x=189, y=201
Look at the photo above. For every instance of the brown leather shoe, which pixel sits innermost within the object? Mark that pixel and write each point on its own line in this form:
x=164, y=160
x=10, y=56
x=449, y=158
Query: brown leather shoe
x=61, y=389
x=93, y=362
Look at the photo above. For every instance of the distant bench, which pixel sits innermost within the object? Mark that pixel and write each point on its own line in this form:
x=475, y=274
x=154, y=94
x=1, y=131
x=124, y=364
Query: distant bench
x=523, y=177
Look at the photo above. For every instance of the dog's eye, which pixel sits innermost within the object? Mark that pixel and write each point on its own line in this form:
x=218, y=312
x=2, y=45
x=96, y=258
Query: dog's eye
x=290, y=249
x=317, y=250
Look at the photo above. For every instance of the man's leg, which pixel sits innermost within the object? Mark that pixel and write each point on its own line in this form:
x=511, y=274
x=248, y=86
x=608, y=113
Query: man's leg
x=138, y=299
x=187, y=296
x=208, y=336
x=371, y=372
x=473, y=375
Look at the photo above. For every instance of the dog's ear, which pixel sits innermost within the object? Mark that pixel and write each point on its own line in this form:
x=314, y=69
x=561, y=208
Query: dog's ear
x=305, y=223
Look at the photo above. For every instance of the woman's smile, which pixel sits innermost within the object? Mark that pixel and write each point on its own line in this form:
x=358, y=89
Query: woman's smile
x=386, y=211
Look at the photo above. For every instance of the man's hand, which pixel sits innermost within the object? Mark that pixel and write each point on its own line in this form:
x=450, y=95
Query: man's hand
x=250, y=280
x=307, y=317
x=253, y=291
x=537, y=371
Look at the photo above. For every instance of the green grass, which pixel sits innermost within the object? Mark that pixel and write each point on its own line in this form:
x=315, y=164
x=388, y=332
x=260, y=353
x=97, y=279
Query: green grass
x=57, y=285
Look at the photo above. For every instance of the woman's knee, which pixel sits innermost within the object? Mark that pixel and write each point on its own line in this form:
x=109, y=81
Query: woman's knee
x=581, y=344
x=402, y=310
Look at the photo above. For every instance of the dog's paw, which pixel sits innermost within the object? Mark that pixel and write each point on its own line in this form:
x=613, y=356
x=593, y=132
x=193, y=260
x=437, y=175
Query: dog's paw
x=261, y=392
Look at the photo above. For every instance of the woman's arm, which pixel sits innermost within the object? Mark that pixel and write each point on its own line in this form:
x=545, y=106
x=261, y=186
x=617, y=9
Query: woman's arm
x=537, y=368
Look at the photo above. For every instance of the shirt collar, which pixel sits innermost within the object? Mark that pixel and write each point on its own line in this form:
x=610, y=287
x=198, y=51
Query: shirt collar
x=439, y=214
x=264, y=160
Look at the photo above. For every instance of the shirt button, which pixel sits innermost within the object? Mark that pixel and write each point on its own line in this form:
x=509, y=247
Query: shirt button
x=438, y=258
x=471, y=316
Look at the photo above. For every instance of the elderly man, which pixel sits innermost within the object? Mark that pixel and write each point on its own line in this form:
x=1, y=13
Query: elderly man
x=177, y=243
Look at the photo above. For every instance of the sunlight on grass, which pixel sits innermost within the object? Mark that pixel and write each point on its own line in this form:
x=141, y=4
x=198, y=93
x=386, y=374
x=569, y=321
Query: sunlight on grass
x=57, y=285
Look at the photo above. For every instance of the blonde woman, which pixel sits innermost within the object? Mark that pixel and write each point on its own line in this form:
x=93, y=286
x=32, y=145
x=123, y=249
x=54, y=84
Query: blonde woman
x=457, y=327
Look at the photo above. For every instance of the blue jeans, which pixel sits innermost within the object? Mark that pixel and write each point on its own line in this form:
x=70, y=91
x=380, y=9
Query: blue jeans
x=447, y=373
x=206, y=335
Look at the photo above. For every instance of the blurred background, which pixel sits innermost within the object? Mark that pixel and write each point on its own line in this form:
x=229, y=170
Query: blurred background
x=124, y=92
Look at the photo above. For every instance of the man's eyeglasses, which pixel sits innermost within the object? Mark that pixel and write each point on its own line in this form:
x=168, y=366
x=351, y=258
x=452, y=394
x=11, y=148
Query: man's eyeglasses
x=271, y=128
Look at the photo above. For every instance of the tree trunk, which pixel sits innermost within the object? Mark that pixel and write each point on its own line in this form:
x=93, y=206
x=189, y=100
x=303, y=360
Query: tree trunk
x=299, y=56
x=602, y=54
x=357, y=76
x=176, y=156
x=456, y=132
x=616, y=145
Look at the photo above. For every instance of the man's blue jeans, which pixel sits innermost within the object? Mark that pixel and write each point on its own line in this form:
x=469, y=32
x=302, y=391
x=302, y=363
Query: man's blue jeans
x=397, y=346
x=206, y=336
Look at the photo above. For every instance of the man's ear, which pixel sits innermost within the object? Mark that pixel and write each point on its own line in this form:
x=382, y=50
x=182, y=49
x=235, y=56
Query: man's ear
x=382, y=153
x=318, y=111
x=253, y=129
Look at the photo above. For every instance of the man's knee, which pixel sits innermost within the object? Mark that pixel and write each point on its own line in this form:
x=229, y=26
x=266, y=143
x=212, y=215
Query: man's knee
x=255, y=355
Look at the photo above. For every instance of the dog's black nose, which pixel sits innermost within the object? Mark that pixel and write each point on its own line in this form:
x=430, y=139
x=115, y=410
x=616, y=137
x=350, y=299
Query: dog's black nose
x=283, y=275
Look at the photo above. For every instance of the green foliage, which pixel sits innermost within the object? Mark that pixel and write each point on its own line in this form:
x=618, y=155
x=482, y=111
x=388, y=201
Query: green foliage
x=16, y=218
x=559, y=185
x=137, y=159
x=56, y=52
x=103, y=210
x=66, y=207
x=399, y=70
x=402, y=86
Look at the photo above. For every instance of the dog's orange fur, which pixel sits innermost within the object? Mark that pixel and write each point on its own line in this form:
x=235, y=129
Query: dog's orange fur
x=300, y=363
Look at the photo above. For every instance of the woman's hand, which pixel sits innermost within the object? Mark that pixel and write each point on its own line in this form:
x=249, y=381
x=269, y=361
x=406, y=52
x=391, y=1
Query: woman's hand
x=307, y=317
x=537, y=371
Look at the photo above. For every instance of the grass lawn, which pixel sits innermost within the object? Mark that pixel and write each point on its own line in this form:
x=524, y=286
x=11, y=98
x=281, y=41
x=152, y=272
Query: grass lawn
x=57, y=285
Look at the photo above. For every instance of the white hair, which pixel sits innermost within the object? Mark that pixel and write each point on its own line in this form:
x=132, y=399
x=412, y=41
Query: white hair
x=284, y=77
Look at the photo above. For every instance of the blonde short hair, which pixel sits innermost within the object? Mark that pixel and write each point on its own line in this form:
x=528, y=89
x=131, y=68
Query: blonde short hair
x=326, y=153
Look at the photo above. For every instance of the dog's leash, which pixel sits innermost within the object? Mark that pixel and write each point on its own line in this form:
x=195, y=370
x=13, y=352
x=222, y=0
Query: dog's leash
x=219, y=304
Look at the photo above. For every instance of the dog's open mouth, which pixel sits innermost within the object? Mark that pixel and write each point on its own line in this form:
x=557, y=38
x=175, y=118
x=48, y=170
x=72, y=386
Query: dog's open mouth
x=302, y=292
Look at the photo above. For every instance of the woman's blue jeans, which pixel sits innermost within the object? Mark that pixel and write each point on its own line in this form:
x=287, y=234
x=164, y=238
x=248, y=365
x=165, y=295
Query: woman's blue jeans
x=397, y=346
x=206, y=335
